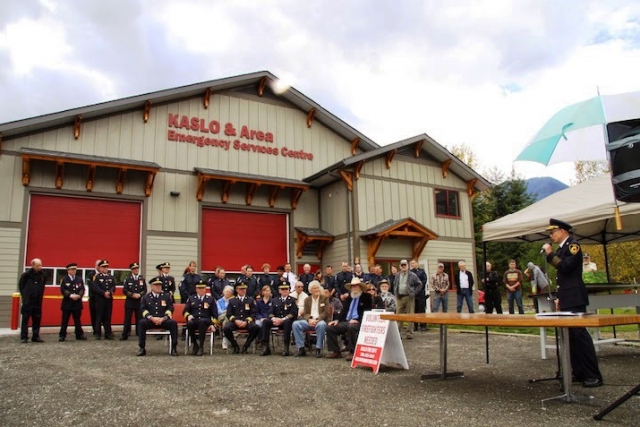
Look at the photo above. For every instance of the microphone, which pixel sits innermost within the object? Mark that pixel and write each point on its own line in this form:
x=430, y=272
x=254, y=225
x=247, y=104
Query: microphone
x=541, y=251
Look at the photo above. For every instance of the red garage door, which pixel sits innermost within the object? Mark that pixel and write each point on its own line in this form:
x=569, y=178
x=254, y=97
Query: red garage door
x=231, y=239
x=71, y=229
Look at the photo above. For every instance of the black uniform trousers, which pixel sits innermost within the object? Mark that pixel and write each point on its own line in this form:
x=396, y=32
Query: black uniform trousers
x=129, y=312
x=33, y=311
x=104, y=307
x=201, y=324
x=230, y=327
x=584, y=362
x=66, y=314
x=492, y=299
x=168, y=324
x=420, y=306
x=286, y=327
x=92, y=313
x=350, y=329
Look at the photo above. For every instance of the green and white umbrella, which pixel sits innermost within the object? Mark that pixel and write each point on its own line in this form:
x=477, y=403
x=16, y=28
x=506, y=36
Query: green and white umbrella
x=577, y=132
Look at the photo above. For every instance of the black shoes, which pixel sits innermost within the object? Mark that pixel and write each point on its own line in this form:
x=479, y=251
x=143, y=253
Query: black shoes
x=592, y=382
x=124, y=337
x=334, y=355
x=36, y=339
x=142, y=352
x=286, y=350
x=266, y=352
x=81, y=338
x=24, y=340
x=195, y=349
x=109, y=337
x=301, y=352
x=236, y=349
x=350, y=357
x=318, y=353
x=61, y=339
x=200, y=350
x=244, y=350
x=174, y=351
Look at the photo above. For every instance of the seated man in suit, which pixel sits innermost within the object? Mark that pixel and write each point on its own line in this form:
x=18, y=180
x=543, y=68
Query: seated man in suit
x=350, y=318
x=282, y=315
x=157, y=309
x=201, y=312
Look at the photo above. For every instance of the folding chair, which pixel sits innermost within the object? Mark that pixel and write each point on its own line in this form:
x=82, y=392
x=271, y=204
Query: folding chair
x=210, y=332
x=242, y=333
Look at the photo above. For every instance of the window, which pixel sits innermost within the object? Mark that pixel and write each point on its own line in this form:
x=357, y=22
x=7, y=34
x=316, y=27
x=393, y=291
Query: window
x=447, y=203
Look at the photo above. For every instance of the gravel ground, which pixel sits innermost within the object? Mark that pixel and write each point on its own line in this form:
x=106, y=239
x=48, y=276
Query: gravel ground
x=97, y=383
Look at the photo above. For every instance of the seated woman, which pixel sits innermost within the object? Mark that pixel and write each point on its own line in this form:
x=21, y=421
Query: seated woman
x=316, y=315
x=388, y=298
x=334, y=301
x=222, y=303
x=263, y=308
x=377, y=301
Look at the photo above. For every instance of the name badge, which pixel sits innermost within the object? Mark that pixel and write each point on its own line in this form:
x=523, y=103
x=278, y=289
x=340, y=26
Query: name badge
x=246, y=306
x=206, y=305
x=163, y=303
x=322, y=305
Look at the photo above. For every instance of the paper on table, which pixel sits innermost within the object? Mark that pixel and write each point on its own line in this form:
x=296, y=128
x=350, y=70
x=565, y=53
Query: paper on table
x=560, y=313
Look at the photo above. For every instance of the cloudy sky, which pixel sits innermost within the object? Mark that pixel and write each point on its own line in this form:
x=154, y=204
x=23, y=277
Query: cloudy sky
x=484, y=73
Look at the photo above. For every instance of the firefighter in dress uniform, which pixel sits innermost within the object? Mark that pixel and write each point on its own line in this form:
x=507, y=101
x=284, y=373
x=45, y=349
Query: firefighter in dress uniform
x=134, y=288
x=103, y=287
x=241, y=312
x=572, y=296
x=284, y=312
x=72, y=290
x=156, y=309
x=201, y=312
x=168, y=281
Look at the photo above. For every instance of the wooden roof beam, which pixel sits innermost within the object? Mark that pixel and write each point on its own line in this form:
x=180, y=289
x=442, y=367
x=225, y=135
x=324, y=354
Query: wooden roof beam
x=59, y=174
x=372, y=250
x=445, y=167
x=226, y=189
x=273, y=194
x=148, y=185
x=296, y=193
x=301, y=242
x=207, y=98
x=122, y=173
x=251, y=190
x=471, y=186
x=355, y=142
x=417, y=148
x=262, y=85
x=202, y=186
x=347, y=177
x=310, y=115
x=322, y=244
x=358, y=169
x=76, y=126
x=390, y=155
x=26, y=171
x=91, y=177
x=418, y=247
x=147, y=111
x=401, y=233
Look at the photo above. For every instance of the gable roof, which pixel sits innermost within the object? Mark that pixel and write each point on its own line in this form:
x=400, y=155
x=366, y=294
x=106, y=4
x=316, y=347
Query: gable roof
x=67, y=117
x=429, y=146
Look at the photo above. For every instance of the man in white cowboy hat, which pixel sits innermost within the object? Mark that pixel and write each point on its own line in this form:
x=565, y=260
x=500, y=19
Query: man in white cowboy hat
x=350, y=319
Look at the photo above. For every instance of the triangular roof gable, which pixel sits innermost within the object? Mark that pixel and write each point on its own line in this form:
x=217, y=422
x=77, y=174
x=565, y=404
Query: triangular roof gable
x=407, y=227
x=414, y=146
x=261, y=80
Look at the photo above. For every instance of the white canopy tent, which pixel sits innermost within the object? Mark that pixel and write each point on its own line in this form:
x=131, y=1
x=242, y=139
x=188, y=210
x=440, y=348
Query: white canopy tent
x=588, y=207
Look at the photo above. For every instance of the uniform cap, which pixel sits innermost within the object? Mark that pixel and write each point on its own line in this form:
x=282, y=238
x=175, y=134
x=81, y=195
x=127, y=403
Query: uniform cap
x=72, y=266
x=555, y=224
x=104, y=263
x=134, y=265
x=284, y=285
x=155, y=281
x=585, y=255
x=241, y=285
x=165, y=265
x=201, y=284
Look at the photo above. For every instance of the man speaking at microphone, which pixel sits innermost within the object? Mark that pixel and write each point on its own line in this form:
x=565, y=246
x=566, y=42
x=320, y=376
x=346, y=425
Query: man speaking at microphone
x=572, y=296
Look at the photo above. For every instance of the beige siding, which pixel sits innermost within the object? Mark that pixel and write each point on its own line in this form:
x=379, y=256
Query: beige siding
x=11, y=189
x=9, y=260
x=179, y=251
x=335, y=254
x=306, y=214
x=385, y=194
x=394, y=249
x=333, y=216
x=170, y=213
x=449, y=251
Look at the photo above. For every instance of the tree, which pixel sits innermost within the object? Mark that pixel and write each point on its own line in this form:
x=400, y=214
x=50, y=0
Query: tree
x=465, y=153
x=585, y=170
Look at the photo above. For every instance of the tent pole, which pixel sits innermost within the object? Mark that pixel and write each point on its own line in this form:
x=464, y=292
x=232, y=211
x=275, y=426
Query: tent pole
x=484, y=275
x=606, y=266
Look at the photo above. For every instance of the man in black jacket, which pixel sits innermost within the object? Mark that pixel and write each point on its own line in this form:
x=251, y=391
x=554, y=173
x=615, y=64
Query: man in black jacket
x=572, y=296
x=284, y=312
x=31, y=287
x=134, y=288
x=350, y=319
x=492, y=296
x=72, y=290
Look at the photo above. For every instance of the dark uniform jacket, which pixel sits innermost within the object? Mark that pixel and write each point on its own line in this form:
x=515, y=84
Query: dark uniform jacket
x=342, y=279
x=207, y=308
x=364, y=304
x=270, y=281
x=572, y=292
x=103, y=283
x=32, y=287
x=306, y=279
x=156, y=306
x=374, y=278
x=188, y=283
x=364, y=277
x=168, y=284
x=287, y=308
x=69, y=287
x=329, y=282
x=90, y=280
x=132, y=286
x=456, y=280
x=422, y=276
x=241, y=310
x=216, y=286
x=252, y=285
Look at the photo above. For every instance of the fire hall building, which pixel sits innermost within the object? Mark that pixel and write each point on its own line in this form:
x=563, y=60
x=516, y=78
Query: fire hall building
x=225, y=173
